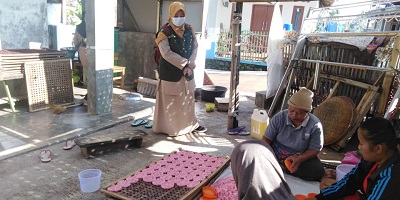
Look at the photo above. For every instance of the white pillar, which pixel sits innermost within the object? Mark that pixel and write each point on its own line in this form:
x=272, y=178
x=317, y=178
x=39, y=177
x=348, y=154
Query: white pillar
x=100, y=54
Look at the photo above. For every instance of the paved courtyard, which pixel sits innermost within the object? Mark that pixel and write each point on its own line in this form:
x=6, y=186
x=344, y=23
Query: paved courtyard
x=23, y=135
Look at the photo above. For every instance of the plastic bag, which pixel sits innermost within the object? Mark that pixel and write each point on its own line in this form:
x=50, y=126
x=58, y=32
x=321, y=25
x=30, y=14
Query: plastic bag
x=351, y=157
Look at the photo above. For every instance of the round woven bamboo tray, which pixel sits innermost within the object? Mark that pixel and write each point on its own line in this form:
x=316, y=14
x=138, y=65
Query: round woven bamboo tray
x=336, y=115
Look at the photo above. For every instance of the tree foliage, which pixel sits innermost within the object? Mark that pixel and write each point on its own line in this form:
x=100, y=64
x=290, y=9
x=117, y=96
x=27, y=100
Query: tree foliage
x=74, y=12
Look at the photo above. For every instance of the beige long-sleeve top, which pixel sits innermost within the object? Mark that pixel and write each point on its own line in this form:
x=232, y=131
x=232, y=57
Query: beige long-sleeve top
x=176, y=88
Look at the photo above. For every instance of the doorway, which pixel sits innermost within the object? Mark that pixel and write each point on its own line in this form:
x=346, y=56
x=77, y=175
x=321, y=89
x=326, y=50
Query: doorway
x=261, y=17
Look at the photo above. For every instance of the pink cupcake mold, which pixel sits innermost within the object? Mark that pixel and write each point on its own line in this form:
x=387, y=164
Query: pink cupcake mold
x=167, y=185
x=158, y=181
x=124, y=183
x=132, y=179
x=149, y=178
x=182, y=182
x=192, y=184
x=114, y=188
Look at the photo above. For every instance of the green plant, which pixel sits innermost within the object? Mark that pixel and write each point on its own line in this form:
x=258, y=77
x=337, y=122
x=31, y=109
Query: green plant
x=74, y=12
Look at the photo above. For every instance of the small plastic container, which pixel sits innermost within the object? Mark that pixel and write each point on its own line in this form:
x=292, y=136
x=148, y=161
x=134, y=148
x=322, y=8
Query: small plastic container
x=259, y=123
x=287, y=27
x=89, y=180
x=342, y=170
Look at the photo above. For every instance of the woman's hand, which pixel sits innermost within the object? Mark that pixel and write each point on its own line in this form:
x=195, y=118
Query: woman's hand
x=187, y=71
x=192, y=65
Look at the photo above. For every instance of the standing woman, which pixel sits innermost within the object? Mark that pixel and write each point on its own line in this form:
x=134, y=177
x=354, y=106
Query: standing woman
x=377, y=176
x=174, y=111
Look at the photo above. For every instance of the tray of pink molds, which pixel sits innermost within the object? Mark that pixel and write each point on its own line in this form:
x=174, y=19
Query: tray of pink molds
x=178, y=175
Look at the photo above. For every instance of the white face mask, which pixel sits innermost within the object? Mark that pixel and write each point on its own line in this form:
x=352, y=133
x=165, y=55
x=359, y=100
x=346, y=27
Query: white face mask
x=178, y=21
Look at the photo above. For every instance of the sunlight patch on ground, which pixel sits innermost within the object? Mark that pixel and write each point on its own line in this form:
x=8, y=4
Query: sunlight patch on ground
x=16, y=149
x=168, y=147
x=241, y=140
x=15, y=132
x=66, y=133
x=145, y=113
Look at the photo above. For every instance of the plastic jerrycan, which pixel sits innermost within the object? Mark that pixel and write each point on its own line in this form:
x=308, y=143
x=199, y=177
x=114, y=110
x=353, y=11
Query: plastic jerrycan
x=259, y=122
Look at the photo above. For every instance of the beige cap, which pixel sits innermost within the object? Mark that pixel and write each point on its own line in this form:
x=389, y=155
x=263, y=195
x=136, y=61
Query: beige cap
x=302, y=99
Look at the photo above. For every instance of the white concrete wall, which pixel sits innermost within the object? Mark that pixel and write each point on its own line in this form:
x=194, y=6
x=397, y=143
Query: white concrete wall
x=145, y=14
x=23, y=22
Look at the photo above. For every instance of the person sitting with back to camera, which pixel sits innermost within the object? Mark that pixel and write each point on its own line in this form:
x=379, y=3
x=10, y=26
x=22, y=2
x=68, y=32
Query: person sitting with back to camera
x=175, y=111
x=377, y=175
x=296, y=134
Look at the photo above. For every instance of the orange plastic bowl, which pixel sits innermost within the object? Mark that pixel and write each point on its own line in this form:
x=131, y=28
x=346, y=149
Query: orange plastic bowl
x=300, y=196
x=209, y=192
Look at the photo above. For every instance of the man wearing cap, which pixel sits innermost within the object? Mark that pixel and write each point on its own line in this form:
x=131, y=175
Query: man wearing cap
x=296, y=134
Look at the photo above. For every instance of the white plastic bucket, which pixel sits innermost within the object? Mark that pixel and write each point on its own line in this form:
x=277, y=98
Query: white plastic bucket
x=259, y=122
x=89, y=180
x=342, y=170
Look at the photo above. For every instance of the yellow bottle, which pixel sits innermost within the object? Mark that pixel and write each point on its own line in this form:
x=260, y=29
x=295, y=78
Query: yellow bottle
x=259, y=123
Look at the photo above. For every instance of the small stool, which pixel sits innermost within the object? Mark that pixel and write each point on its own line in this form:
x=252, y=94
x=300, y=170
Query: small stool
x=121, y=77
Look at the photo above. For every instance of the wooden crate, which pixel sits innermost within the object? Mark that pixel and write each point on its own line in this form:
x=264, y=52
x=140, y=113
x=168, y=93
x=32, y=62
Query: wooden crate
x=146, y=190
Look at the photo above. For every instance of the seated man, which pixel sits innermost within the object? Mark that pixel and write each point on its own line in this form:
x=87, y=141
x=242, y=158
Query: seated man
x=296, y=134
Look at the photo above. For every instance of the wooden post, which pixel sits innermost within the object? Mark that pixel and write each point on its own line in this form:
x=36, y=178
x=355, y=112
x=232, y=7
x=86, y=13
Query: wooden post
x=384, y=96
x=234, y=82
x=389, y=76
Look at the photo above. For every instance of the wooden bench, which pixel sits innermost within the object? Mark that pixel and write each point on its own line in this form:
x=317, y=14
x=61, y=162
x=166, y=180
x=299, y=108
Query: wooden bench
x=99, y=144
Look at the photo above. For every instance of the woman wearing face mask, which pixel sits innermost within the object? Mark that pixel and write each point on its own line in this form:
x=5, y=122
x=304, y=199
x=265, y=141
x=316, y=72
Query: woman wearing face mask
x=174, y=111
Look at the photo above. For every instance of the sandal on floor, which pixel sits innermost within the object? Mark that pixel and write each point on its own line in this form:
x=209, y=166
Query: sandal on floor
x=45, y=156
x=149, y=124
x=236, y=130
x=69, y=144
x=138, y=122
x=242, y=132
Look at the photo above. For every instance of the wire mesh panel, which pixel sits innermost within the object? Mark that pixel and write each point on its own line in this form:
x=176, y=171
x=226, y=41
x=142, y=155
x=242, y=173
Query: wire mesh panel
x=48, y=82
